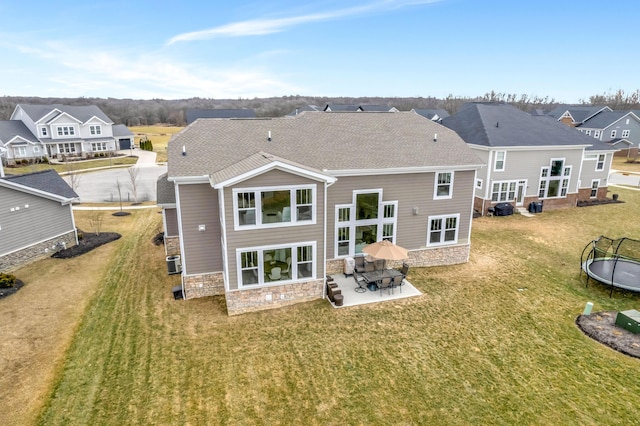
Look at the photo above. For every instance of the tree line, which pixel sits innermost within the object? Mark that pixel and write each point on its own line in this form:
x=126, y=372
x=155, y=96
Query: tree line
x=141, y=112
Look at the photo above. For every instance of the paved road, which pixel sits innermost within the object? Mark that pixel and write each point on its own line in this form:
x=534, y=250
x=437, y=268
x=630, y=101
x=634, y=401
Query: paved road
x=618, y=178
x=102, y=185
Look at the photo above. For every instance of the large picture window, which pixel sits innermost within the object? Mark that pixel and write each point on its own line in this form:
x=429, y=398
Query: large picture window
x=554, y=180
x=443, y=230
x=274, y=206
x=276, y=264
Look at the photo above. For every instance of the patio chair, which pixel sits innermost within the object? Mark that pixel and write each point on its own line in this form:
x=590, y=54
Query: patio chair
x=398, y=281
x=359, y=264
x=360, y=282
x=385, y=283
x=404, y=270
x=268, y=258
x=275, y=273
x=379, y=264
x=369, y=267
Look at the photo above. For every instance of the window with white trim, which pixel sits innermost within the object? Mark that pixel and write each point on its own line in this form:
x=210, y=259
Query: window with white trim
x=443, y=230
x=596, y=134
x=500, y=160
x=43, y=131
x=66, y=148
x=95, y=129
x=258, y=266
x=613, y=134
x=36, y=149
x=600, y=163
x=503, y=190
x=98, y=146
x=277, y=206
x=595, y=184
x=443, y=186
x=588, y=132
x=66, y=131
x=626, y=133
x=20, y=151
x=479, y=183
x=554, y=180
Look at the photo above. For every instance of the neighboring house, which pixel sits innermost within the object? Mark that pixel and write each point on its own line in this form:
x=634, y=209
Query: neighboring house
x=66, y=131
x=531, y=158
x=36, y=219
x=310, y=108
x=436, y=115
x=358, y=108
x=194, y=113
x=307, y=193
x=124, y=137
x=575, y=115
x=618, y=128
x=19, y=143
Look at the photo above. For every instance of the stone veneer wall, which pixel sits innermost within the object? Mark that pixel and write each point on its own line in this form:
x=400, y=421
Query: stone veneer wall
x=437, y=256
x=243, y=301
x=203, y=285
x=35, y=252
x=172, y=245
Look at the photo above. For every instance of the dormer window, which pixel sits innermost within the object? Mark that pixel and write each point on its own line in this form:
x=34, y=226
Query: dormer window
x=66, y=131
x=95, y=130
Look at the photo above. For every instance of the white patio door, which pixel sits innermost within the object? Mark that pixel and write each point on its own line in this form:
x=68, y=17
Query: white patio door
x=520, y=191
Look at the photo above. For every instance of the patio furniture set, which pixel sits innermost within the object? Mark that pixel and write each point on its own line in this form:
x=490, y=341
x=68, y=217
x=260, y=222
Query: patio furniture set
x=373, y=276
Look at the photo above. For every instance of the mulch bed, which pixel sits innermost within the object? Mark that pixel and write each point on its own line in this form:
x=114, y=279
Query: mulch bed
x=601, y=326
x=88, y=242
x=587, y=203
x=4, y=292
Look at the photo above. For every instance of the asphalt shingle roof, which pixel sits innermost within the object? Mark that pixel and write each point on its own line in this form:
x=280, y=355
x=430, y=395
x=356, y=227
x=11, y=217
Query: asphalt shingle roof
x=82, y=113
x=12, y=128
x=430, y=113
x=578, y=112
x=355, y=141
x=195, y=113
x=603, y=119
x=47, y=181
x=165, y=192
x=121, y=130
x=502, y=125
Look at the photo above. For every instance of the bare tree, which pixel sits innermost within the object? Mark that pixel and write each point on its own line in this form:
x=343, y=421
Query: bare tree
x=134, y=173
x=119, y=188
x=73, y=178
x=96, y=221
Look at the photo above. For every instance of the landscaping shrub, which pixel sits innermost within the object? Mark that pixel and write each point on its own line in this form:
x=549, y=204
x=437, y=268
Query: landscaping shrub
x=7, y=280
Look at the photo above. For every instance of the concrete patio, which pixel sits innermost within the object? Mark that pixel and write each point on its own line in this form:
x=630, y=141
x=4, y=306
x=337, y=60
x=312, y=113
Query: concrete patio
x=352, y=298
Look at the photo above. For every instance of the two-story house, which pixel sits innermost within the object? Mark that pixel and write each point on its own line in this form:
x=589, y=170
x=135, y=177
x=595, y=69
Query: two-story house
x=307, y=192
x=63, y=131
x=620, y=129
x=531, y=158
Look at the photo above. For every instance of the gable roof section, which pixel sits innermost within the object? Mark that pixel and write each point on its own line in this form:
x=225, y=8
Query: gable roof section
x=432, y=114
x=341, y=108
x=47, y=183
x=358, y=142
x=605, y=119
x=81, y=113
x=193, y=114
x=120, y=130
x=579, y=113
x=11, y=129
x=502, y=125
x=165, y=191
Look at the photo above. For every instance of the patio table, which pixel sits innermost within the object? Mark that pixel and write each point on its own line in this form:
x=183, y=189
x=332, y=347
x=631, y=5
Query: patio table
x=372, y=278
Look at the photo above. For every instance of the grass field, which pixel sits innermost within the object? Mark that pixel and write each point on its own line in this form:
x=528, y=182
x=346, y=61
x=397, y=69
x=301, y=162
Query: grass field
x=492, y=341
x=72, y=166
x=159, y=137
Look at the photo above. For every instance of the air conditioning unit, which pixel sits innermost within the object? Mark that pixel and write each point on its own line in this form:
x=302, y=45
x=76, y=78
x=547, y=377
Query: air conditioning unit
x=173, y=265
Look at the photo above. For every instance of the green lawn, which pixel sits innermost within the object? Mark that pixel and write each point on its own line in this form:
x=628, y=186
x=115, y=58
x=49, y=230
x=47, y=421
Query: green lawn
x=492, y=341
x=71, y=166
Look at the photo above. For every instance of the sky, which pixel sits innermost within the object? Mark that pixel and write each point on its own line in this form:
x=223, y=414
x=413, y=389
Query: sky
x=566, y=50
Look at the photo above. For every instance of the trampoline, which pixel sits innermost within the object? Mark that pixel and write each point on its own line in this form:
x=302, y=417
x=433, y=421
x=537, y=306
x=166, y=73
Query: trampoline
x=613, y=262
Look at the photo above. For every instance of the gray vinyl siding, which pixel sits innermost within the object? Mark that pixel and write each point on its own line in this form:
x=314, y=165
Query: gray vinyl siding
x=41, y=220
x=281, y=235
x=410, y=190
x=171, y=219
x=589, y=172
x=527, y=164
x=202, y=251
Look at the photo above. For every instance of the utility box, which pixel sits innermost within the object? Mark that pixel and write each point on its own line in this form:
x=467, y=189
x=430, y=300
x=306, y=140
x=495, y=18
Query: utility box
x=173, y=265
x=349, y=265
x=629, y=320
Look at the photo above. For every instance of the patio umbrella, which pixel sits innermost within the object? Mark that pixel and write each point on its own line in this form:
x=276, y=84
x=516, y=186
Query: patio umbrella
x=385, y=250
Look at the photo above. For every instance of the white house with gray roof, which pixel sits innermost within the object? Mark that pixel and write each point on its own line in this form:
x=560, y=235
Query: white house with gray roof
x=531, y=158
x=59, y=131
x=305, y=193
x=36, y=218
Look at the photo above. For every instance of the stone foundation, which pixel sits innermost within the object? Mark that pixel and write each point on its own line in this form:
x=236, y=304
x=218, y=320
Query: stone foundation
x=243, y=301
x=203, y=285
x=35, y=252
x=172, y=246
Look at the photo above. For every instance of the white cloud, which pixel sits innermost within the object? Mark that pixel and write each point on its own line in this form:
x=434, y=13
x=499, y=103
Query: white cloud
x=255, y=27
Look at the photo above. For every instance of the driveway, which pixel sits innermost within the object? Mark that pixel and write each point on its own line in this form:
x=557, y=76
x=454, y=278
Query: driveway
x=101, y=186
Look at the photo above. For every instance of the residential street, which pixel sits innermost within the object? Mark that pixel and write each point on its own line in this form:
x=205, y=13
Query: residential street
x=102, y=185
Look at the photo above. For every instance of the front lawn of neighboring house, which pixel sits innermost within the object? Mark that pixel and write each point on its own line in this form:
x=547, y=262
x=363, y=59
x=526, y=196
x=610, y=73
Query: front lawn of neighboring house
x=72, y=166
x=159, y=137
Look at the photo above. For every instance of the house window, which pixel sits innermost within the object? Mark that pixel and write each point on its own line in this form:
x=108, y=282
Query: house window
x=43, y=131
x=503, y=191
x=499, y=164
x=443, y=230
x=36, y=149
x=479, y=183
x=626, y=133
x=95, y=130
x=444, y=185
x=66, y=131
x=274, y=207
x=596, y=134
x=20, y=151
x=66, y=148
x=594, y=188
x=554, y=180
x=367, y=220
x=99, y=146
x=600, y=163
x=588, y=132
x=613, y=134
x=276, y=264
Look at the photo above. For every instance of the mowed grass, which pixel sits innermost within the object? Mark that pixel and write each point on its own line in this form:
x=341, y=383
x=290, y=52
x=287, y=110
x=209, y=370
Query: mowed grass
x=159, y=137
x=72, y=166
x=492, y=341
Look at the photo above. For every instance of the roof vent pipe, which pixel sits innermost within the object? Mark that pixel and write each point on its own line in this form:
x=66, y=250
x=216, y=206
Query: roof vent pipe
x=497, y=124
x=435, y=137
x=184, y=150
x=269, y=138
